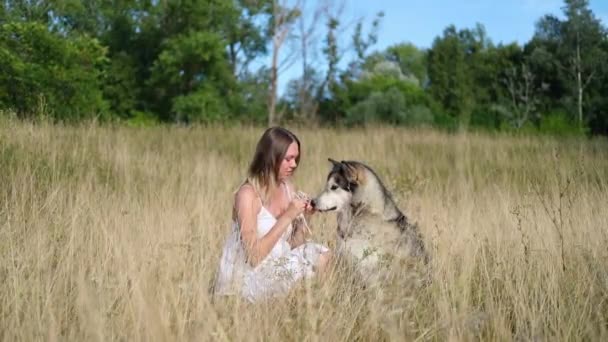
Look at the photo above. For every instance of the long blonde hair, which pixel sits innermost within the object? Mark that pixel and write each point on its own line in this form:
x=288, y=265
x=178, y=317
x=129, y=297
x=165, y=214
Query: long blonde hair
x=263, y=173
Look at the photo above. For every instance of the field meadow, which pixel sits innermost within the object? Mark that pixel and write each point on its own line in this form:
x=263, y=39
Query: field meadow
x=115, y=233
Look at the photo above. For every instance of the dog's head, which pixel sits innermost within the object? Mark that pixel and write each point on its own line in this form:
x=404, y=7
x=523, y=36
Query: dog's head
x=343, y=182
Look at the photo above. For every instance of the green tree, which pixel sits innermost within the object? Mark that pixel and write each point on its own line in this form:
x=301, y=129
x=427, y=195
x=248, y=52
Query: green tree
x=541, y=55
x=245, y=35
x=583, y=56
x=568, y=56
x=192, y=67
x=598, y=121
x=450, y=82
x=41, y=72
x=410, y=59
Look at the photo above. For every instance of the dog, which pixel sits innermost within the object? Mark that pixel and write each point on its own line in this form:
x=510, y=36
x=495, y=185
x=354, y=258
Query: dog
x=372, y=230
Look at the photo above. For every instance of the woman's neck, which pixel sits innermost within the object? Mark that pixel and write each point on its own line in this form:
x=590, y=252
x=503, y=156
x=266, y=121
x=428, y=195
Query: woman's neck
x=275, y=193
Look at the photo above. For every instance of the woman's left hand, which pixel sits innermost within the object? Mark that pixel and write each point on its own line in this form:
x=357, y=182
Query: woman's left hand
x=309, y=210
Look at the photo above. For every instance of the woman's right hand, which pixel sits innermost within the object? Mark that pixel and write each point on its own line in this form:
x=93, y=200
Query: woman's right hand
x=296, y=207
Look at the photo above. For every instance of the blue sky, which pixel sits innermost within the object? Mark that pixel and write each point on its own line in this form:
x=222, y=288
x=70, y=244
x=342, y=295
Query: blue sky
x=420, y=21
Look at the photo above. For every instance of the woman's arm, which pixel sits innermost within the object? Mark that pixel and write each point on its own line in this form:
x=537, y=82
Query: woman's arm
x=248, y=206
x=300, y=228
x=298, y=237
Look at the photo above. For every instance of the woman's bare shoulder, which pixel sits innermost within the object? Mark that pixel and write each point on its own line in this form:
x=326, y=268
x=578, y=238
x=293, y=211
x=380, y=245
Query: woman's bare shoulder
x=247, y=197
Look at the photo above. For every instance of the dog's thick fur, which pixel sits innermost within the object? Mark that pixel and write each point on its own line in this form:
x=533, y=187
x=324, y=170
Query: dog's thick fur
x=371, y=228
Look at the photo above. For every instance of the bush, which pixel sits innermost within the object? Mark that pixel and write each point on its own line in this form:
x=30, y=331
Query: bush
x=558, y=123
x=388, y=99
x=488, y=117
x=444, y=121
x=204, y=105
x=43, y=73
x=142, y=119
x=555, y=123
x=389, y=107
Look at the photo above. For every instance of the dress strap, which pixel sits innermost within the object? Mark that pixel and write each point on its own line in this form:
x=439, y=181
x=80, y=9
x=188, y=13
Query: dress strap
x=235, y=214
x=287, y=191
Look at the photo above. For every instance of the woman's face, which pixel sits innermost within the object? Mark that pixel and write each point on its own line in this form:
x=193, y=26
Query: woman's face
x=289, y=164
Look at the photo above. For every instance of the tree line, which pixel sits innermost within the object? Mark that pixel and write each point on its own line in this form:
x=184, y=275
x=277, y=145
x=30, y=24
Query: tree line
x=185, y=61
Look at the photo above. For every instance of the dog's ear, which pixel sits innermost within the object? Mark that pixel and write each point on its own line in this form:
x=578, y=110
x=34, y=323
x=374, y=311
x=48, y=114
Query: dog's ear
x=336, y=164
x=348, y=166
x=350, y=171
x=344, y=168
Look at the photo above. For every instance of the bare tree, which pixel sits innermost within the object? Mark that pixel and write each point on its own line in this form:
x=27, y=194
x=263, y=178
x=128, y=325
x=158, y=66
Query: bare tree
x=332, y=11
x=582, y=35
x=308, y=38
x=582, y=75
x=283, y=18
x=523, y=94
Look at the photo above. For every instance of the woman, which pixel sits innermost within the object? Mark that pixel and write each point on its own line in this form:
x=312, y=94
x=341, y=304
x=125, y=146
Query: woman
x=267, y=252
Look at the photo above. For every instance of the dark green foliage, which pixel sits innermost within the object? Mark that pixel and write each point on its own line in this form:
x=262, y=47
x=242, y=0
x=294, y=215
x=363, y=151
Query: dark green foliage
x=387, y=98
x=191, y=78
x=451, y=82
x=43, y=73
x=149, y=62
x=120, y=85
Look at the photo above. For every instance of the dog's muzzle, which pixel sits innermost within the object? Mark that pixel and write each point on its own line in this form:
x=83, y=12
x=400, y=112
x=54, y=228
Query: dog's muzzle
x=313, y=203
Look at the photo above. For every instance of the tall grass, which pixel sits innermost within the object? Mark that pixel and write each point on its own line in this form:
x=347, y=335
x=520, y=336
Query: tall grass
x=114, y=233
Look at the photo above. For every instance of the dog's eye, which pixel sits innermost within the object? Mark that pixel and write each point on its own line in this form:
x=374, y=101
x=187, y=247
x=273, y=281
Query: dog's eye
x=334, y=187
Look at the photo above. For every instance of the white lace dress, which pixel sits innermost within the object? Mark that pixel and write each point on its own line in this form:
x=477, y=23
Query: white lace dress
x=282, y=268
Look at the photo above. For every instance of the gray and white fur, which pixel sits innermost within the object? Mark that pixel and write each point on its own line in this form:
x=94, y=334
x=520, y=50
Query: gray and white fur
x=371, y=228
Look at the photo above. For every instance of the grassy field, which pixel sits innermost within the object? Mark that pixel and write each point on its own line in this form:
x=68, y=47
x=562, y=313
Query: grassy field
x=115, y=234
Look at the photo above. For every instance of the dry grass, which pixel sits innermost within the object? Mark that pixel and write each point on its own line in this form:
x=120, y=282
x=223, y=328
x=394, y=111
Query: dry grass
x=115, y=234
